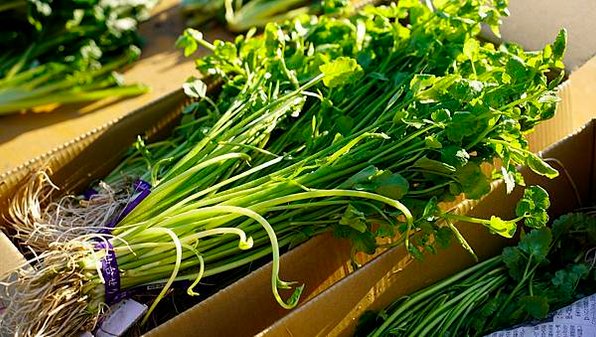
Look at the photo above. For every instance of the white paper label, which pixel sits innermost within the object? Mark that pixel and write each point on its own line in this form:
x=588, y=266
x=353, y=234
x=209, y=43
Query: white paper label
x=122, y=316
x=575, y=320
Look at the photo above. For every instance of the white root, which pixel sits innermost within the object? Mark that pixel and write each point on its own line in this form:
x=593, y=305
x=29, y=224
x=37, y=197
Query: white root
x=39, y=221
x=51, y=298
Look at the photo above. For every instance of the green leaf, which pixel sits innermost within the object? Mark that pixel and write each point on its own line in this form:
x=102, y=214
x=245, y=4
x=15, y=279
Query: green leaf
x=514, y=261
x=566, y=280
x=560, y=45
x=474, y=183
x=471, y=48
x=336, y=6
x=391, y=185
x=443, y=236
x=502, y=227
x=415, y=252
x=516, y=69
x=455, y=156
x=195, y=88
x=341, y=71
x=536, y=243
x=188, y=41
x=433, y=166
x=463, y=124
x=581, y=223
x=354, y=218
x=441, y=115
x=364, y=242
x=362, y=177
x=533, y=207
x=540, y=166
x=385, y=229
x=535, y=306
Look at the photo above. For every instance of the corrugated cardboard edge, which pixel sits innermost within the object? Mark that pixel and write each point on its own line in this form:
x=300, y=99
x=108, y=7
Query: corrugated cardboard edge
x=59, y=156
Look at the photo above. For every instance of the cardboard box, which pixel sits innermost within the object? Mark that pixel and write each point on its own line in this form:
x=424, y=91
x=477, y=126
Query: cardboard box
x=320, y=262
x=336, y=311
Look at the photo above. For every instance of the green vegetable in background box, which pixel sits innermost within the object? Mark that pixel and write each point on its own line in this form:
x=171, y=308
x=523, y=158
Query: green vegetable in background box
x=358, y=126
x=67, y=51
x=548, y=269
x=241, y=15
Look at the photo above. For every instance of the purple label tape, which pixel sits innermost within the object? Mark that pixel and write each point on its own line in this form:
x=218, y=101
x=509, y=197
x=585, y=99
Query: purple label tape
x=141, y=191
x=109, y=263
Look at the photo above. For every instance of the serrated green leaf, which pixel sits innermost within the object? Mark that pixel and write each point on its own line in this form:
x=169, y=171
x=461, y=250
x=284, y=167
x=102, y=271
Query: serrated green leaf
x=535, y=306
x=391, y=185
x=354, y=218
x=566, y=280
x=364, y=242
x=341, y=71
x=504, y=228
x=533, y=207
x=536, y=243
x=514, y=261
x=541, y=167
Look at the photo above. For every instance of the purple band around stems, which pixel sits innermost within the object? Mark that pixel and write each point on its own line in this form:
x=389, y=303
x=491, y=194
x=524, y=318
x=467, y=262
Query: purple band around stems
x=141, y=191
x=110, y=272
x=109, y=264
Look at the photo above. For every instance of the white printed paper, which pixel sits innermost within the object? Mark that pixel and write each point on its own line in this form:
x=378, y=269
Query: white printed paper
x=575, y=320
x=122, y=316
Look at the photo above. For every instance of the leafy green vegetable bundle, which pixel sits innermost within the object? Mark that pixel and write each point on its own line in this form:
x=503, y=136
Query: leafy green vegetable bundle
x=241, y=15
x=548, y=269
x=359, y=126
x=65, y=51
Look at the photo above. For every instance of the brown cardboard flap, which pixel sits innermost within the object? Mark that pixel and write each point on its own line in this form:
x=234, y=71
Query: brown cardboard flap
x=10, y=257
x=576, y=107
